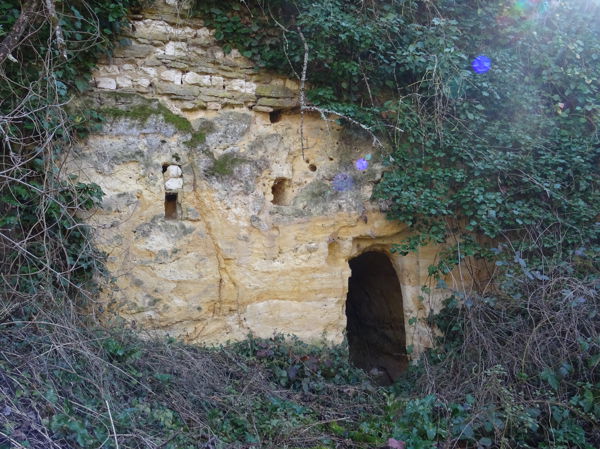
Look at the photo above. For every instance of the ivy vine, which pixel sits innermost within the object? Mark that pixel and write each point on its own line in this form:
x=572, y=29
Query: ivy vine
x=47, y=52
x=509, y=155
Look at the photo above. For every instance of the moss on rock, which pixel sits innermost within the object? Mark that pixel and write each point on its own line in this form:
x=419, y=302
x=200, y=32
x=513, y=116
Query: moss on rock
x=143, y=112
x=120, y=105
x=225, y=164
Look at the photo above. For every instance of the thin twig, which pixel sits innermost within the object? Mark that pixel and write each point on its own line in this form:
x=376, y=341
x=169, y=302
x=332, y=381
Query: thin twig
x=60, y=40
x=112, y=424
x=302, y=89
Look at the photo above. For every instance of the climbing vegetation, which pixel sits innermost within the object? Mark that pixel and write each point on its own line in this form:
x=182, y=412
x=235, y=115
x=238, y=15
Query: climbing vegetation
x=501, y=165
x=509, y=155
x=47, y=51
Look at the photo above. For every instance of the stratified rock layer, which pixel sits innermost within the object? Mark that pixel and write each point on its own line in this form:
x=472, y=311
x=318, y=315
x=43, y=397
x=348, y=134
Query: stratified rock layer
x=218, y=221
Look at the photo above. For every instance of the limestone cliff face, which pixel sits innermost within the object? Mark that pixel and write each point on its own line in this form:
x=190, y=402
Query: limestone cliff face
x=218, y=221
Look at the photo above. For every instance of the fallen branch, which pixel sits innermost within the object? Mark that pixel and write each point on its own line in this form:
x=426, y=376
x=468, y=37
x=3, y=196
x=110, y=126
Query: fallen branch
x=112, y=424
x=323, y=111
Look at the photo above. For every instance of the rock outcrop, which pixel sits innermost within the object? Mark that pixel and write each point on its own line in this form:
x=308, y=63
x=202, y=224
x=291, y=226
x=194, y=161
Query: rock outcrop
x=217, y=220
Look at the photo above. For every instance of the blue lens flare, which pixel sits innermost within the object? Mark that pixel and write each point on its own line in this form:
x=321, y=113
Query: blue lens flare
x=481, y=64
x=342, y=182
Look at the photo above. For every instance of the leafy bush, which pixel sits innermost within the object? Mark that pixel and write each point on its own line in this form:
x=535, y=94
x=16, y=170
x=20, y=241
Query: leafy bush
x=69, y=387
x=519, y=366
x=45, y=251
x=508, y=154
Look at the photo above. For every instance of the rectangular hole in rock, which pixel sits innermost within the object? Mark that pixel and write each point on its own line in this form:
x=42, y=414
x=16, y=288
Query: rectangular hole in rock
x=171, y=206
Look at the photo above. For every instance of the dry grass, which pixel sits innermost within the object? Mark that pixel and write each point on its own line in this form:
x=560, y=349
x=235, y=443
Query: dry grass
x=65, y=385
x=534, y=344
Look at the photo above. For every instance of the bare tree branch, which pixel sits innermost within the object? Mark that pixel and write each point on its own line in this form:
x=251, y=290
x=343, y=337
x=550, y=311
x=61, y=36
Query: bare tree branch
x=60, y=40
x=302, y=89
x=12, y=39
x=322, y=111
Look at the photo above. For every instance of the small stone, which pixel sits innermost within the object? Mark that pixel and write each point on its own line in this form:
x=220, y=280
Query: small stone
x=173, y=171
x=185, y=92
x=175, y=49
x=262, y=109
x=272, y=90
x=173, y=76
x=237, y=85
x=192, y=105
x=112, y=69
x=152, y=62
x=221, y=93
x=177, y=65
x=135, y=51
x=213, y=106
x=278, y=103
x=194, y=78
x=216, y=81
x=143, y=82
x=149, y=70
x=159, y=30
x=124, y=81
x=250, y=87
x=174, y=184
x=106, y=83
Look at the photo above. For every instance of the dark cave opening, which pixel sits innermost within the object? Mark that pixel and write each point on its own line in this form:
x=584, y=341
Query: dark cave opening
x=171, y=206
x=275, y=116
x=375, y=317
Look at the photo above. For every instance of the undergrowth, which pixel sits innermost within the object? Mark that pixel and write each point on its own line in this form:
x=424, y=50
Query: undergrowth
x=518, y=369
x=511, y=155
x=70, y=387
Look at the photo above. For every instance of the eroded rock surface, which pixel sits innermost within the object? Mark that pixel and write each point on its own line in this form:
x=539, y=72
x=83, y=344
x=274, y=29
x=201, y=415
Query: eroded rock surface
x=218, y=220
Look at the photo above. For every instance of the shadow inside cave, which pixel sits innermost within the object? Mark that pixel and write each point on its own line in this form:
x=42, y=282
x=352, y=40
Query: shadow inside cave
x=375, y=317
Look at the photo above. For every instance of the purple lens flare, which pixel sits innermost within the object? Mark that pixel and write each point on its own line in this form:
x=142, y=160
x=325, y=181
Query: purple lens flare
x=361, y=164
x=342, y=182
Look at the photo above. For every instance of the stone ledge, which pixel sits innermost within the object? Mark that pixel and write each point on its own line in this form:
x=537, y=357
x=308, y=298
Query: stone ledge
x=186, y=91
x=278, y=103
x=274, y=91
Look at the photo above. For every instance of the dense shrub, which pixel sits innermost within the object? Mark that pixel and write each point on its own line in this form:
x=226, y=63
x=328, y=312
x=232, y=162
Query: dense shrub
x=45, y=252
x=512, y=153
x=502, y=165
x=69, y=387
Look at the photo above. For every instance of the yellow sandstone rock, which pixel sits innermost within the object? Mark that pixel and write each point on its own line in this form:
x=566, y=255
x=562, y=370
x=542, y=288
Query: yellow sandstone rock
x=251, y=234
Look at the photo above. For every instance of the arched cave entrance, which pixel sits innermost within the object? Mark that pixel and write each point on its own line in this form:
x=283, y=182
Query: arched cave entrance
x=375, y=326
